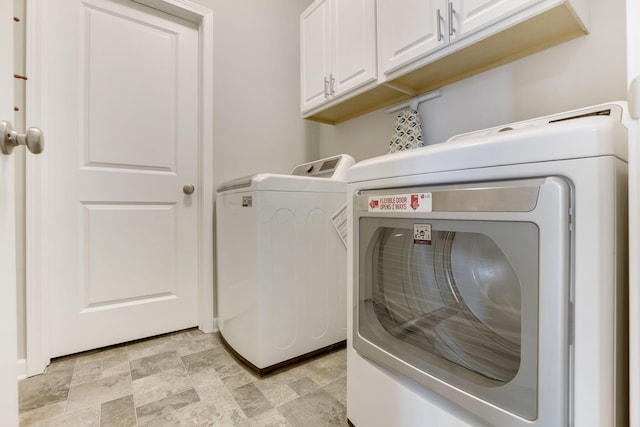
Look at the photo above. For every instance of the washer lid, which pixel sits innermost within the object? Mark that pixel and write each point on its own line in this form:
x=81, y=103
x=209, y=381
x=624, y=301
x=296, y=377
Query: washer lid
x=324, y=175
x=590, y=132
x=275, y=182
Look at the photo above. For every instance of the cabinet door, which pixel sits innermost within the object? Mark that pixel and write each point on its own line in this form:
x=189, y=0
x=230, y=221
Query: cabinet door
x=315, y=42
x=469, y=16
x=354, y=44
x=408, y=29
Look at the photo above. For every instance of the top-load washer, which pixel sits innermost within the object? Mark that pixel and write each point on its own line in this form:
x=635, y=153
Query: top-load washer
x=489, y=278
x=281, y=261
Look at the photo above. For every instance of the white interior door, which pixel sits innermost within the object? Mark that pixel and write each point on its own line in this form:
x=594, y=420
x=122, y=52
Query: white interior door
x=121, y=105
x=8, y=354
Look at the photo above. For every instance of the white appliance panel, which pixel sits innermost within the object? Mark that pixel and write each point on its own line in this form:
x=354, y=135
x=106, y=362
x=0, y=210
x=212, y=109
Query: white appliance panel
x=597, y=372
x=282, y=264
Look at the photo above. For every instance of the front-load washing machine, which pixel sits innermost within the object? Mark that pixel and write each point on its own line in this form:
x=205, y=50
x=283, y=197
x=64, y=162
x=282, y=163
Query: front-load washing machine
x=281, y=262
x=488, y=278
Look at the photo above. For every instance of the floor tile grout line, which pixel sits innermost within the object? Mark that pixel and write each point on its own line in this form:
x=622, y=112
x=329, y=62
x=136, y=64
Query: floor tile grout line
x=186, y=371
x=135, y=413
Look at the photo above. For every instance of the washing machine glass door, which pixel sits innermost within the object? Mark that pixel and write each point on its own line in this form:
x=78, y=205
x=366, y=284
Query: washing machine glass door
x=458, y=298
x=454, y=295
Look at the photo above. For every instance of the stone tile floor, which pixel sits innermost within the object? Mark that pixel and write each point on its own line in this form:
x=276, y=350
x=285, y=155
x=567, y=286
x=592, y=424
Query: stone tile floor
x=185, y=378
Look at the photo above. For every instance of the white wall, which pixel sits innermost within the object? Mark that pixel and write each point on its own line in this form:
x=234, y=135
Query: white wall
x=585, y=71
x=257, y=125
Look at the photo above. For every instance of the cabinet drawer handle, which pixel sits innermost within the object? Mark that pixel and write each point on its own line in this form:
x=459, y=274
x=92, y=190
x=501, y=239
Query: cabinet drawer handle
x=439, y=26
x=326, y=87
x=332, y=85
x=451, y=13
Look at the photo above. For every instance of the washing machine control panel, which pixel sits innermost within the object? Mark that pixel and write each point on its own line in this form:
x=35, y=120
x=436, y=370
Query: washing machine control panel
x=332, y=167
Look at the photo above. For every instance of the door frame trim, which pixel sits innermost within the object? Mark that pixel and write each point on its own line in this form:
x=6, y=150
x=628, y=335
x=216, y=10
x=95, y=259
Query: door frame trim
x=37, y=285
x=633, y=71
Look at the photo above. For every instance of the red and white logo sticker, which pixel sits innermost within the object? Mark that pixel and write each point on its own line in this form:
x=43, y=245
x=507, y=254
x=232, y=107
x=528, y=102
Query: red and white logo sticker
x=413, y=202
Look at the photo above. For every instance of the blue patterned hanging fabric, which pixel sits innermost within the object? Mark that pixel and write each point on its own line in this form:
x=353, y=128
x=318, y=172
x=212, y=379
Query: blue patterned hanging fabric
x=407, y=133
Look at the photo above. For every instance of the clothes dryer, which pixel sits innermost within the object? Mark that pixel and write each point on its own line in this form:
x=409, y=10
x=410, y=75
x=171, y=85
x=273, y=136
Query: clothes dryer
x=489, y=278
x=281, y=263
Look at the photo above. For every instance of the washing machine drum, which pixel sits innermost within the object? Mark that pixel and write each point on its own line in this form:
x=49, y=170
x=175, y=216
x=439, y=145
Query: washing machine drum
x=457, y=298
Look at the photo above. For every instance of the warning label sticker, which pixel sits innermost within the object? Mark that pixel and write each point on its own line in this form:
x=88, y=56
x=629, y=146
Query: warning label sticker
x=415, y=202
x=422, y=234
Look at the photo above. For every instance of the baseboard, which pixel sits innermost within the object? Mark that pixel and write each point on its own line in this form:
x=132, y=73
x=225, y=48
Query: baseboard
x=21, y=367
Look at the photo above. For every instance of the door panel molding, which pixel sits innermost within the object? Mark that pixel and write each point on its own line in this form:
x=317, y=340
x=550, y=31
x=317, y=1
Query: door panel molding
x=37, y=309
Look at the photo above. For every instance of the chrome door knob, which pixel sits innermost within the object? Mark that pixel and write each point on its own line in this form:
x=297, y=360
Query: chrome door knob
x=33, y=139
x=188, y=189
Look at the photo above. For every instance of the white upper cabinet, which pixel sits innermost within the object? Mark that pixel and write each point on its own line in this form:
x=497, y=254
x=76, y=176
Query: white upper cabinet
x=421, y=45
x=425, y=30
x=408, y=29
x=338, y=49
x=315, y=53
x=467, y=16
x=354, y=44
